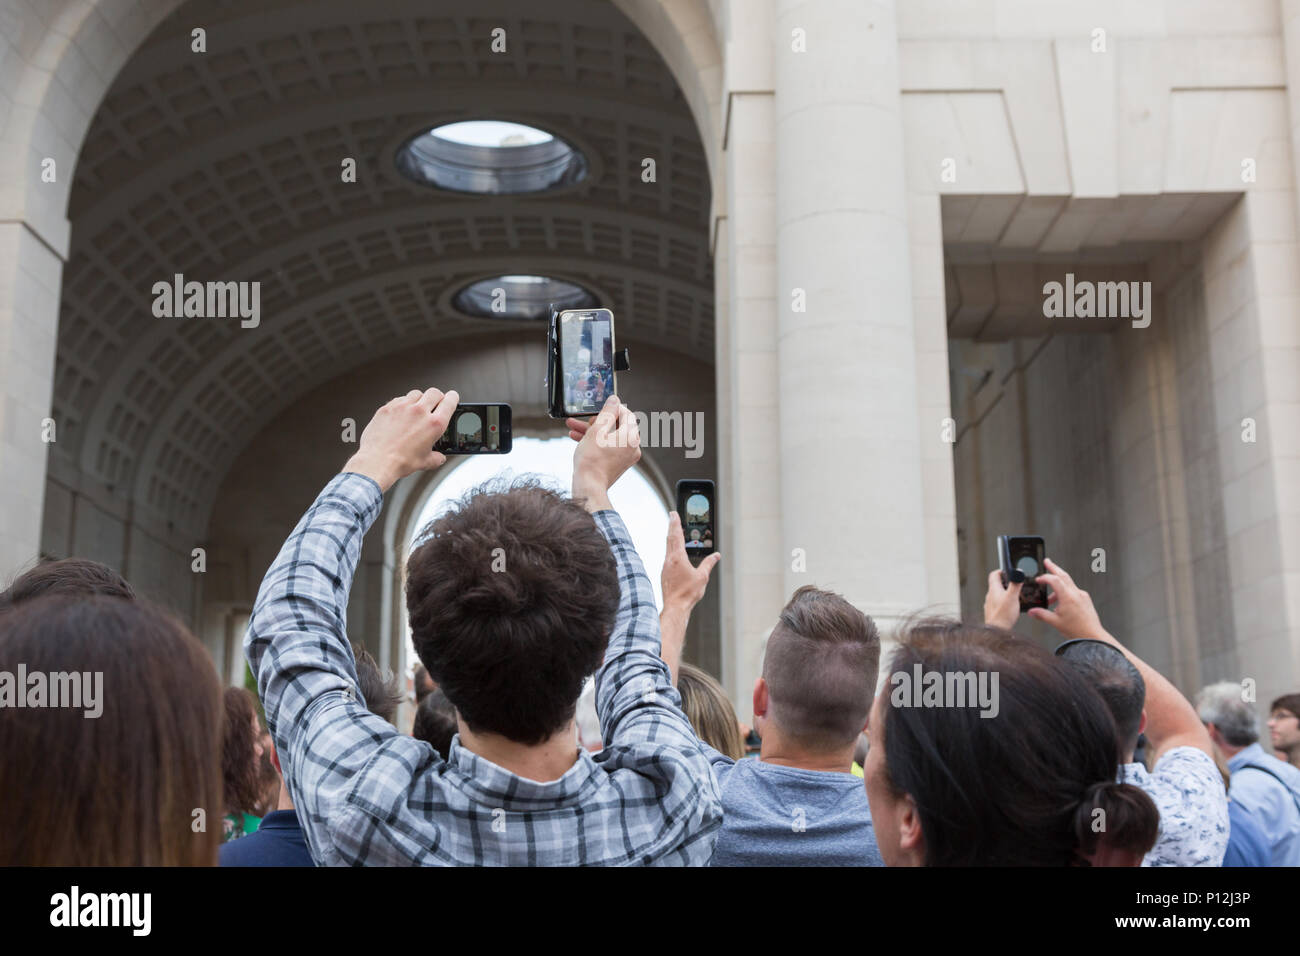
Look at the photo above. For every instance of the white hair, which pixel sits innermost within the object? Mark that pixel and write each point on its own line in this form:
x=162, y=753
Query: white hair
x=1222, y=705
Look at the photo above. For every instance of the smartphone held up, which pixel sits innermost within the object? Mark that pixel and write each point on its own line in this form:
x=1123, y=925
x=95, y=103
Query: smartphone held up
x=582, y=362
x=477, y=428
x=697, y=508
x=1020, y=558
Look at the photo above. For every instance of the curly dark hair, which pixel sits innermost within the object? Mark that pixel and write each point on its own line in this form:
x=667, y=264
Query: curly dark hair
x=512, y=596
x=241, y=774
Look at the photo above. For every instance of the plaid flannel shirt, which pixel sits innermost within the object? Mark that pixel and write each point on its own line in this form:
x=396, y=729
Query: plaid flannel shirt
x=368, y=795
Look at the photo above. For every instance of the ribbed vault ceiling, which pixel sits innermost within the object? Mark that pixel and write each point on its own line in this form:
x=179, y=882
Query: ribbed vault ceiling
x=226, y=166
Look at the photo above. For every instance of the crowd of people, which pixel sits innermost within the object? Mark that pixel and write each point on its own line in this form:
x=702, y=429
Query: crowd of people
x=557, y=724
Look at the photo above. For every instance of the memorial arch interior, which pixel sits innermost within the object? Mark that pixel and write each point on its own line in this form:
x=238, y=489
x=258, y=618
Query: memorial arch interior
x=865, y=329
x=178, y=434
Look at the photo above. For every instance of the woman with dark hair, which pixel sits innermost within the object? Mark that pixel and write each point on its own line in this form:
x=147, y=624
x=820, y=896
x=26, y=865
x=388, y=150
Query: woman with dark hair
x=987, y=751
x=124, y=767
x=241, y=764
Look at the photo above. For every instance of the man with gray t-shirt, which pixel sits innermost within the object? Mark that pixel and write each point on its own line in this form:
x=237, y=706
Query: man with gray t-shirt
x=798, y=803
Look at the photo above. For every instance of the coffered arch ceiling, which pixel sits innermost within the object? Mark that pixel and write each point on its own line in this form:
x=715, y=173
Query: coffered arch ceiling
x=226, y=166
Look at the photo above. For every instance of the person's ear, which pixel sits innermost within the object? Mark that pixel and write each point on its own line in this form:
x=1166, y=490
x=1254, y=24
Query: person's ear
x=1142, y=724
x=910, y=838
x=867, y=723
x=760, y=697
x=275, y=758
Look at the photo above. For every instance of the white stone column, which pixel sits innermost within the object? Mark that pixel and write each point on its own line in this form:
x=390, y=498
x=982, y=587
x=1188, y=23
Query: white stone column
x=849, y=442
x=30, y=278
x=1253, y=291
x=749, y=449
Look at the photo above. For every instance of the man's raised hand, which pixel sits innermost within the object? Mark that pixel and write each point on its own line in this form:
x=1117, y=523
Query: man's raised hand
x=683, y=583
x=1001, y=602
x=1074, y=615
x=607, y=447
x=400, y=437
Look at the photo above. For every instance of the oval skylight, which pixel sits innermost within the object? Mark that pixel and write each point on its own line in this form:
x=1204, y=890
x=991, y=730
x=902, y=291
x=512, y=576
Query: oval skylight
x=490, y=157
x=521, y=297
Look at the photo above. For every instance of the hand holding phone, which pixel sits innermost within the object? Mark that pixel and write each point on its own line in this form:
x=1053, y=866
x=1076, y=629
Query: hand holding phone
x=607, y=446
x=1074, y=615
x=682, y=580
x=1020, y=561
x=397, y=440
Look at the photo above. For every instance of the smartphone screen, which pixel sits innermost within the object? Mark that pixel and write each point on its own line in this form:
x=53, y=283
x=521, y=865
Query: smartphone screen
x=586, y=360
x=1026, y=554
x=697, y=507
x=477, y=429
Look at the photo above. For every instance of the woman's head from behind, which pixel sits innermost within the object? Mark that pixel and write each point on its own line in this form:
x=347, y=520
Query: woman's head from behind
x=987, y=751
x=709, y=710
x=241, y=752
x=115, y=778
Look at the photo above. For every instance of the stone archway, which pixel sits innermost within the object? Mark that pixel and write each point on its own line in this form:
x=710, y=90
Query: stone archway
x=70, y=59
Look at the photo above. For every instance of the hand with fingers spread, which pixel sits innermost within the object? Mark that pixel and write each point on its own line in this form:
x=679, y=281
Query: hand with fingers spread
x=400, y=437
x=1001, y=602
x=683, y=585
x=1073, y=615
x=607, y=446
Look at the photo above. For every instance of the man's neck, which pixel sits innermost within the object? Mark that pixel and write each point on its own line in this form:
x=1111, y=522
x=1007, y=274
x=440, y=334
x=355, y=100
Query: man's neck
x=777, y=750
x=285, y=802
x=550, y=760
x=1293, y=756
x=1229, y=751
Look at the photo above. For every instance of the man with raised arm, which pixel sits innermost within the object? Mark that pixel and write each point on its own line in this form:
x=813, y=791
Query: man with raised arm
x=1184, y=783
x=515, y=596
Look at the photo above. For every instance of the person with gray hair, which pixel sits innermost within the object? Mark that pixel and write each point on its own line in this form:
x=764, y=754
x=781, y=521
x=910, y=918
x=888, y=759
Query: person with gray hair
x=1264, y=785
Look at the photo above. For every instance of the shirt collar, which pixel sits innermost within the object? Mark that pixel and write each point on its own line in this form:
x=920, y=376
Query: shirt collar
x=487, y=783
x=280, y=820
x=1250, y=755
x=1134, y=773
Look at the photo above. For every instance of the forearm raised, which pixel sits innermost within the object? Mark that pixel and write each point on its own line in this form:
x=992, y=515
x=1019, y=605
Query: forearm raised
x=673, y=622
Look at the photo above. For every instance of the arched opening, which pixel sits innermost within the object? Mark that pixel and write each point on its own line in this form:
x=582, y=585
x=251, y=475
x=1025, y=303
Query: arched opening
x=267, y=161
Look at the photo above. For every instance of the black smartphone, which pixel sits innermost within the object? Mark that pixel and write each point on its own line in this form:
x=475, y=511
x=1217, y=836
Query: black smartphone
x=697, y=506
x=1020, y=558
x=481, y=428
x=584, y=353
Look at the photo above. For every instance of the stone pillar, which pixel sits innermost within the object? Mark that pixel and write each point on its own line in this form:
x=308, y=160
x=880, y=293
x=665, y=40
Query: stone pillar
x=30, y=278
x=1252, y=291
x=849, y=441
x=750, y=448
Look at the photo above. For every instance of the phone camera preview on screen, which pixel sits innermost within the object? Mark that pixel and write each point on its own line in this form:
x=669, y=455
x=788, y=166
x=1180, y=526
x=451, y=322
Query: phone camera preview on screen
x=699, y=530
x=469, y=424
x=587, y=358
x=470, y=433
